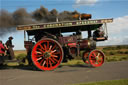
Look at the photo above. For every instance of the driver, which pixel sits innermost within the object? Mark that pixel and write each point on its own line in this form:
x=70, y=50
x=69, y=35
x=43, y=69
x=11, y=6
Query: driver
x=98, y=33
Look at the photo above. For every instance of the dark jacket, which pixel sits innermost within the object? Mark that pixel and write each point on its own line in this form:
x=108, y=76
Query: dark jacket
x=9, y=43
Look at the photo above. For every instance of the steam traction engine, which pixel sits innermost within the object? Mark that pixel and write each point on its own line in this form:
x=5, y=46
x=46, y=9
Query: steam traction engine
x=47, y=44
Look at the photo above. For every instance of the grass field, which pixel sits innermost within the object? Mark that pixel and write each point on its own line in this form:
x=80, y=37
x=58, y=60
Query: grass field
x=110, y=82
x=115, y=53
x=18, y=52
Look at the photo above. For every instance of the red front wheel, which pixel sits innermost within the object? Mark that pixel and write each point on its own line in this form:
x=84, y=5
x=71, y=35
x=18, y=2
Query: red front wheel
x=96, y=58
x=47, y=54
x=85, y=57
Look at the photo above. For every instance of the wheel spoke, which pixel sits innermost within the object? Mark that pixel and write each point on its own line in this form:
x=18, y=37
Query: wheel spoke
x=94, y=54
x=47, y=45
x=41, y=46
x=98, y=55
x=39, y=58
x=50, y=63
x=93, y=61
x=54, y=56
x=54, y=47
x=92, y=57
x=52, y=60
x=40, y=50
x=50, y=48
x=100, y=58
x=55, y=53
x=41, y=61
x=99, y=61
x=44, y=63
x=96, y=63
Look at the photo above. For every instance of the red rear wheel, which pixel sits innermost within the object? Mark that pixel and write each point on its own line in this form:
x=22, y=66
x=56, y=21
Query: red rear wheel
x=47, y=54
x=96, y=58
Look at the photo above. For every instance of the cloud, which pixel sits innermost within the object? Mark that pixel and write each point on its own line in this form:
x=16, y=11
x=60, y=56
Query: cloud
x=85, y=2
x=119, y=25
x=112, y=40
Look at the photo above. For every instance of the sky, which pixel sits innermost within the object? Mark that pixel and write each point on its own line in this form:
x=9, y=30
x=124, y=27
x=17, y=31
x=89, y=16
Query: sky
x=116, y=9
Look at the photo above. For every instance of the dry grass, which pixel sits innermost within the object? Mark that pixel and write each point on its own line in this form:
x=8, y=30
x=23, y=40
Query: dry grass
x=17, y=52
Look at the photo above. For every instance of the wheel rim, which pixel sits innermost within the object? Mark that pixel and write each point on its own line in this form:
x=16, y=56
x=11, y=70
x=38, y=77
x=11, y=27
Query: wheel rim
x=96, y=58
x=47, y=54
x=85, y=57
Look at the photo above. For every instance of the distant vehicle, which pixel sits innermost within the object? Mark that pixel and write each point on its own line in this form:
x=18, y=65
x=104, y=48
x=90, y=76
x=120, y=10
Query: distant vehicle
x=47, y=46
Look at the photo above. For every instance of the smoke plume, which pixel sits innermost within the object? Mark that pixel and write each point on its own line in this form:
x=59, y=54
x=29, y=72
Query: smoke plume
x=8, y=21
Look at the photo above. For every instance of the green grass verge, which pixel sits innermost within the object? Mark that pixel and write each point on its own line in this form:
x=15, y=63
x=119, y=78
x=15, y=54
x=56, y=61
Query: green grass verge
x=116, y=58
x=110, y=82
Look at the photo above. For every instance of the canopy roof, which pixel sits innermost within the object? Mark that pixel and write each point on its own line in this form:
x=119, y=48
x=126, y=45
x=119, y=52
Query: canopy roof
x=65, y=26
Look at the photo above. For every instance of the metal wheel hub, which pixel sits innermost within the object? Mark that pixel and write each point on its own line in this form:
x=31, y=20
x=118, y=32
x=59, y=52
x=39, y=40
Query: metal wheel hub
x=47, y=55
x=97, y=58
